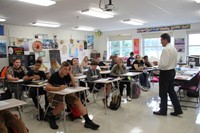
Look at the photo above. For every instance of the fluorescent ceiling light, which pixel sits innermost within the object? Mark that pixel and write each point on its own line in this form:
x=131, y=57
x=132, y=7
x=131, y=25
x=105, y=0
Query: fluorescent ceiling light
x=46, y=24
x=84, y=28
x=132, y=22
x=197, y=1
x=2, y=19
x=40, y=2
x=97, y=13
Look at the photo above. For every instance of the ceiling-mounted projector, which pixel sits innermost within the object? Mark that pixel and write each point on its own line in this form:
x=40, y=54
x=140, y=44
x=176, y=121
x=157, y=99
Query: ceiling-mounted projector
x=106, y=7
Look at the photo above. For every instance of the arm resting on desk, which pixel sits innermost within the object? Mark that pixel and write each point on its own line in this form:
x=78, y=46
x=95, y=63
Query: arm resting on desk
x=50, y=87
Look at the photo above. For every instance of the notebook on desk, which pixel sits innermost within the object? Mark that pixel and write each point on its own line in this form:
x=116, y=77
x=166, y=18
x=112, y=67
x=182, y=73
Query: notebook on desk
x=39, y=82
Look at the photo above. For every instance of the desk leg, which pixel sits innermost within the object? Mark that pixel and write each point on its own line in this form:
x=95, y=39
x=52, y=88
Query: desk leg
x=64, y=123
x=85, y=100
x=105, y=99
x=19, y=110
x=38, y=104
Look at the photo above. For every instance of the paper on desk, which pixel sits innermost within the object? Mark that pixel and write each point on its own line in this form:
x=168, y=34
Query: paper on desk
x=69, y=90
x=181, y=77
x=3, y=103
x=20, y=80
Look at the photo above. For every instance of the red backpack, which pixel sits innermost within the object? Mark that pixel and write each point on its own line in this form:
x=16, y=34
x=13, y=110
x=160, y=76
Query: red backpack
x=3, y=72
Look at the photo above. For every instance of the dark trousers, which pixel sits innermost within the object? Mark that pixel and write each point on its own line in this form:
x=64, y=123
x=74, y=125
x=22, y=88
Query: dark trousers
x=121, y=87
x=166, y=85
x=33, y=94
x=144, y=80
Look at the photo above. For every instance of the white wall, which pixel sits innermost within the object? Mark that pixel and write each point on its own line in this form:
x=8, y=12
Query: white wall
x=30, y=32
x=101, y=42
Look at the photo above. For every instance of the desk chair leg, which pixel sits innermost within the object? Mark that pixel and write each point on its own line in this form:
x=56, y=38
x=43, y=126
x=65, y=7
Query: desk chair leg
x=105, y=99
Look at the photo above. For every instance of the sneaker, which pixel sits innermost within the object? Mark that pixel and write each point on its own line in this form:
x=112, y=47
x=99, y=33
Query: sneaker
x=144, y=88
x=128, y=98
x=91, y=125
x=52, y=122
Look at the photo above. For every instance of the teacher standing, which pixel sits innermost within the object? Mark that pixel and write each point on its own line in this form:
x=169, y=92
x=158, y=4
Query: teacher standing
x=167, y=65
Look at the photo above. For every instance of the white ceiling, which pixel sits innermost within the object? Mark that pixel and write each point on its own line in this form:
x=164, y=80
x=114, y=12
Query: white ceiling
x=65, y=12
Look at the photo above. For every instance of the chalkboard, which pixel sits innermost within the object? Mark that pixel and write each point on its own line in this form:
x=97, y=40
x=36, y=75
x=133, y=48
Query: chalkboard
x=55, y=54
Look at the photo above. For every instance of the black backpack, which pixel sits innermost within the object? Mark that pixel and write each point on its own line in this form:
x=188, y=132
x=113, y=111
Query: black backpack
x=115, y=102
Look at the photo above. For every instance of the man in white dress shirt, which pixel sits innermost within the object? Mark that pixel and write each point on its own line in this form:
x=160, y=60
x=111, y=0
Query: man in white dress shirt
x=167, y=65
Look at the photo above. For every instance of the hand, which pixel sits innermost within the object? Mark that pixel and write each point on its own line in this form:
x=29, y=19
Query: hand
x=36, y=77
x=16, y=79
x=62, y=87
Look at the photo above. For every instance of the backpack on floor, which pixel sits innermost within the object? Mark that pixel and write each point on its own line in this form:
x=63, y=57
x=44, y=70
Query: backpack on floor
x=135, y=90
x=74, y=114
x=115, y=101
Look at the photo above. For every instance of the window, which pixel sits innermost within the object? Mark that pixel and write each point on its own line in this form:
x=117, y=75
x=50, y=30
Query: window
x=120, y=47
x=194, y=44
x=152, y=46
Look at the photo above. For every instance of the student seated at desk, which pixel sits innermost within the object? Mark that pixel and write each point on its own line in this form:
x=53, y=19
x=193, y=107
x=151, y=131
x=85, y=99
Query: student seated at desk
x=85, y=63
x=32, y=75
x=146, y=61
x=59, y=81
x=131, y=59
x=94, y=74
x=76, y=70
x=9, y=123
x=138, y=65
x=117, y=70
x=43, y=67
x=15, y=73
x=55, y=66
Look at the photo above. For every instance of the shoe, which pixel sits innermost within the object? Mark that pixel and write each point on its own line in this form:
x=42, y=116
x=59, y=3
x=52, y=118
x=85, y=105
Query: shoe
x=91, y=125
x=159, y=113
x=52, y=122
x=87, y=100
x=144, y=88
x=128, y=98
x=176, y=113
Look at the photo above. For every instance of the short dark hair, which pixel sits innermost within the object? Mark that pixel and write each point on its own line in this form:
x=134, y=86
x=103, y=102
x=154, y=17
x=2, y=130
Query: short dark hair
x=73, y=60
x=166, y=36
x=137, y=56
x=16, y=59
x=93, y=63
x=131, y=53
x=145, y=57
x=65, y=63
x=38, y=61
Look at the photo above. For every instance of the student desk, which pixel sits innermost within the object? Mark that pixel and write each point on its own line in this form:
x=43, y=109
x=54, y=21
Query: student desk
x=107, y=81
x=37, y=86
x=20, y=81
x=66, y=91
x=12, y=103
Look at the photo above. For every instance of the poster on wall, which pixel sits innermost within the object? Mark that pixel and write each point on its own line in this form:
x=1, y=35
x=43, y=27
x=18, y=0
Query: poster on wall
x=42, y=54
x=1, y=30
x=136, y=46
x=73, y=50
x=47, y=44
x=23, y=42
x=90, y=42
x=3, y=49
x=14, y=50
x=180, y=44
